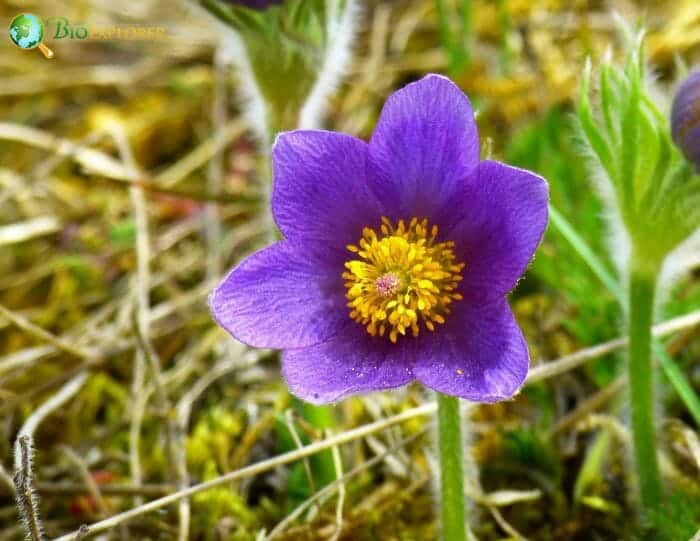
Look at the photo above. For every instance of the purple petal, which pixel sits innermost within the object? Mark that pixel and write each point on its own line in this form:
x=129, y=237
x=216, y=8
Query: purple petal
x=504, y=215
x=284, y=296
x=480, y=354
x=424, y=146
x=351, y=363
x=320, y=192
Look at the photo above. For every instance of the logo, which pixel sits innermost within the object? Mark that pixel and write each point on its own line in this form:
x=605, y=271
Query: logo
x=27, y=32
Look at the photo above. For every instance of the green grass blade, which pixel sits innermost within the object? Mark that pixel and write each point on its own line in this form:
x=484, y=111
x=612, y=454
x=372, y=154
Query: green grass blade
x=677, y=378
x=583, y=250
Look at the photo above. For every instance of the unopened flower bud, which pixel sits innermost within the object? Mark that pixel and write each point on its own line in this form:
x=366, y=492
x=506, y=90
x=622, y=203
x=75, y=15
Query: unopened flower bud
x=255, y=4
x=685, y=118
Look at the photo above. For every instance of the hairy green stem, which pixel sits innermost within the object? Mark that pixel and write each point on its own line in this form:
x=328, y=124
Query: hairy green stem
x=642, y=287
x=453, y=511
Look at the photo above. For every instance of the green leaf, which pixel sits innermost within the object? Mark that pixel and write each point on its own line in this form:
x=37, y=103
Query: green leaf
x=610, y=100
x=583, y=250
x=629, y=137
x=594, y=136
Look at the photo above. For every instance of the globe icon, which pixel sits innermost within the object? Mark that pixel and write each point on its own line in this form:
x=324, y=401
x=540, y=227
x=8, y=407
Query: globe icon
x=26, y=30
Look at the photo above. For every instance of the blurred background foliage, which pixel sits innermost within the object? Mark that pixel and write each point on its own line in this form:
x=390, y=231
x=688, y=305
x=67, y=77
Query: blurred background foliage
x=68, y=265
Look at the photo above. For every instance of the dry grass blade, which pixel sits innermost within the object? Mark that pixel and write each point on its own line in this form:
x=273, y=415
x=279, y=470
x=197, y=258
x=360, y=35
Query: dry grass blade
x=23, y=231
x=569, y=362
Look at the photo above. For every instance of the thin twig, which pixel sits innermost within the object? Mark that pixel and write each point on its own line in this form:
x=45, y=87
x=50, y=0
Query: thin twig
x=29, y=229
x=338, y=463
x=503, y=523
x=153, y=363
x=142, y=305
x=138, y=409
x=201, y=155
x=90, y=483
x=569, y=362
x=608, y=421
x=590, y=404
x=52, y=404
x=63, y=488
x=92, y=160
x=45, y=336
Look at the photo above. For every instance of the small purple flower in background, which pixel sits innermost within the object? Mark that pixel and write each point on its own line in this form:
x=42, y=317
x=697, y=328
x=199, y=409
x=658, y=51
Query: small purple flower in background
x=397, y=257
x=255, y=4
x=685, y=118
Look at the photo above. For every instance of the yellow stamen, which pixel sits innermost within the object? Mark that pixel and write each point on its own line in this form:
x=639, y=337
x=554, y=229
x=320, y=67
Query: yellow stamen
x=402, y=279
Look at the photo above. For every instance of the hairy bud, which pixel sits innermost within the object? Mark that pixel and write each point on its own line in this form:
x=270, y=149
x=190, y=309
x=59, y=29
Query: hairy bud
x=685, y=118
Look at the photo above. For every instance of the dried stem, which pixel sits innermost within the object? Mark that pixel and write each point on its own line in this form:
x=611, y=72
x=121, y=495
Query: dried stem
x=589, y=405
x=569, y=362
x=142, y=304
x=27, y=499
x=338, y=463
x=67, y=488
x=90, y=483
x=45, y=336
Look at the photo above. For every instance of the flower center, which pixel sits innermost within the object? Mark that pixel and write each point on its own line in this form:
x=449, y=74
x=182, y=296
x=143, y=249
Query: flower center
x=387, y=284
x=401, y=279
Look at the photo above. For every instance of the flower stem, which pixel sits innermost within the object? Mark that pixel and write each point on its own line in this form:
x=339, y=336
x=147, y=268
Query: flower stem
x=642, y=287
x=453, y=512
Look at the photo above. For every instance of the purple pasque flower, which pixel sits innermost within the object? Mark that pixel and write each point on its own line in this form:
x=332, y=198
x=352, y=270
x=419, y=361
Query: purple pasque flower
x=397, y=257
x=255, y=4
x=685, y=118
